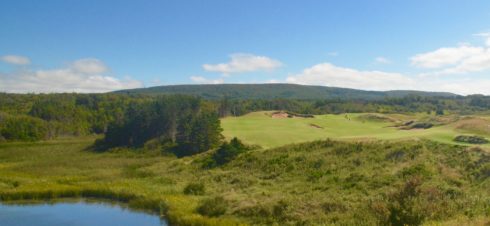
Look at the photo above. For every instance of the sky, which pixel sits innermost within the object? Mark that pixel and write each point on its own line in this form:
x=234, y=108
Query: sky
x=99, y=46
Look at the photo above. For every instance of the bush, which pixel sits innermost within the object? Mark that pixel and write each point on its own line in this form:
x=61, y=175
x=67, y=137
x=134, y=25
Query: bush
x=194, y=189
x=332, y=206
x=213, y=207
x=418, y=170
x=280, y=210
x=471, y=139
x=229, y=151
x=484, y=172
x=24, y=128
x=225, y=153
x=422, y=125
x=400, y=208
x=412, y=204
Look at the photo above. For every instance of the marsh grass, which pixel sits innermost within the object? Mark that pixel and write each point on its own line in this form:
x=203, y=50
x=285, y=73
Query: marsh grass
x=322, y=182
x=54, y=170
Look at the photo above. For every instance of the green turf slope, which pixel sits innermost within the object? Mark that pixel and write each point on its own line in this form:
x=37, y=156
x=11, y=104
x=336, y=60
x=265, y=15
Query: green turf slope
x=261, y=129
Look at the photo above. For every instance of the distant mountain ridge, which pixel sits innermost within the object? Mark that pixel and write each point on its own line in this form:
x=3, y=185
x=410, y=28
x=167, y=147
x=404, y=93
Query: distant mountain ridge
x=278, y=90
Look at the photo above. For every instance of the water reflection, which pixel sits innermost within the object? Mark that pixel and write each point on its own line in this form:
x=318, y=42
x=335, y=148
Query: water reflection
x=80, y=213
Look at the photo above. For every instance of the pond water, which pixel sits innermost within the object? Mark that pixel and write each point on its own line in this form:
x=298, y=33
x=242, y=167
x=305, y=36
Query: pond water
x=79, y=213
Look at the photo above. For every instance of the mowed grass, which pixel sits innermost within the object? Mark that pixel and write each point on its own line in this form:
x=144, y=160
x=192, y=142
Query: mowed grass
x=261, y=129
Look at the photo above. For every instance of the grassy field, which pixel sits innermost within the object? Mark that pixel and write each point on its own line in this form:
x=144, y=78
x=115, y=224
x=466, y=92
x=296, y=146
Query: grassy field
x=259, y=128
x=65, y=168
x=316, y=183
x=323, y=182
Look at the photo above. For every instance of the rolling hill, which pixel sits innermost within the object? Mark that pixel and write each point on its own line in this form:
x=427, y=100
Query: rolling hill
x=273, y=91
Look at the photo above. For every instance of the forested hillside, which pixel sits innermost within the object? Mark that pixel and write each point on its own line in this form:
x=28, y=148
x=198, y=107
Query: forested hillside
x=278, y=91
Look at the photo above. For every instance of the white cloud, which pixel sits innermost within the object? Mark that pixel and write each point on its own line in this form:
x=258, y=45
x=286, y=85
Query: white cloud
x=17, y=60
x=334, y=54
x=89, y=66
x=485, y=35
x=330, y=75
x=85, y=76
x=327, y=74
x=462, y=59
x=202, y=80
x=446, y=56
x=463, y=86
x=475, y=63
x=382, y=60
x=244, y=63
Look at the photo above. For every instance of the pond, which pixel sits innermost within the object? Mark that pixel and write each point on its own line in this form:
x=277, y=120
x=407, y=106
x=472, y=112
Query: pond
x=80, y=213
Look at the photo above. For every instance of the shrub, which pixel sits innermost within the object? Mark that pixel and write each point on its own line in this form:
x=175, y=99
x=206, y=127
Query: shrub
x=332, y=206
x=226, y=153
x=484, y=172
x=471, y=139
x=422, y=125
x=412, y=204
x=400, y=208
x=24, y=128
x=194, y=189
x=418, y=170
x=280, y=209
x=396, y=155
x=213, y=207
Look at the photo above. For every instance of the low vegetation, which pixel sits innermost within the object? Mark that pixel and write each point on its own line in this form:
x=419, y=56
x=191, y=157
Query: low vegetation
x=421, y=125
x=194, y=188
x=320, y=182
x=213, y=207
x=226, y=153
x=376, y=118
x=471, y=139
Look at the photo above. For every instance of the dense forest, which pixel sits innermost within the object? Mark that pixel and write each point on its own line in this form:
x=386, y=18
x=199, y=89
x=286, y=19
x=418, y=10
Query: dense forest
x=184, y=123
x=143, y=117
x=278, y=91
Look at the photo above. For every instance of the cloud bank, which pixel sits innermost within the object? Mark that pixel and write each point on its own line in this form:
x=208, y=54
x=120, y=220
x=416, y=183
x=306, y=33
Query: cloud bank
x=203, y=80
x=16, y=60
x=85, y=76
x=327, y=74
x=455, y=60
x=241, y=62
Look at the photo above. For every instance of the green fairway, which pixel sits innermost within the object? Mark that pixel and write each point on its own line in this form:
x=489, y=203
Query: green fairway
x=261, y=129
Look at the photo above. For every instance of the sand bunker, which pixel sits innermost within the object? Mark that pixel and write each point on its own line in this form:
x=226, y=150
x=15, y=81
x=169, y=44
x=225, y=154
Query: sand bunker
x=284, y=114
x=280, y=115
x=315, y=126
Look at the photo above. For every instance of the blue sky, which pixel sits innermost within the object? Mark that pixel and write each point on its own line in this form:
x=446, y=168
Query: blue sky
x=98, y=46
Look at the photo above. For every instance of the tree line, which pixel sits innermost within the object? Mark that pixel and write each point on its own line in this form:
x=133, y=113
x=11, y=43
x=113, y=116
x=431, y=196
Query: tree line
x=31, y=117
x=185, y=125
